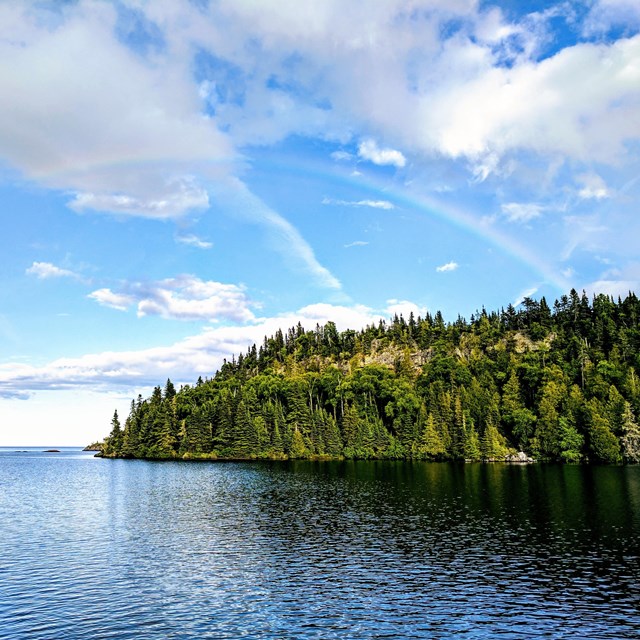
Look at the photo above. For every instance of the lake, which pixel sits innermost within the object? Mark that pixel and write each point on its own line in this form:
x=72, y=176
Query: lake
x=94, y=548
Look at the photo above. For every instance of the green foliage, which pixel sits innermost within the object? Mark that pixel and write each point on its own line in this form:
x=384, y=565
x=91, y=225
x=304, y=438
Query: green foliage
x=571, y=442
x=559, y=383
x=630, y=436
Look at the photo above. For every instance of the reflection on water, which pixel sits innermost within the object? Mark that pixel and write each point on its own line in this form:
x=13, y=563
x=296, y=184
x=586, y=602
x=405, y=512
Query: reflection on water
x=130, y=549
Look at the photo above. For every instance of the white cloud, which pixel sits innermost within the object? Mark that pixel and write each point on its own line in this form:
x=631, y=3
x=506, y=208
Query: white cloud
x=45, y=270
x=137, y=128
x=285, y=238
x=369, y=150
x=404, y=308
x=194, y=241
x=356, y=243
x=449, y=266
x=374, y=204
x=182, y=361
x=175, y=200
x=107, y=298
x=182, y=298
x=593, y=187
x=527, y=293
x=341, y=156
x=521, y=212
x=579, y=103
x=587, y=233
x=605, y=14
x=617, y=281
x=614, y=287
x=121, y=131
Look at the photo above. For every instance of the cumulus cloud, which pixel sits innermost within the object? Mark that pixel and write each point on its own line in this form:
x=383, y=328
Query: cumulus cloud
x=46, y=270
x=369, y=150
x=122, y=131
x=578, y=103
x=182, y=298
x=404, y=308
x=593, y=187
x=149, y=124
x=617, y=281
x=449, y=266
x=605, y=14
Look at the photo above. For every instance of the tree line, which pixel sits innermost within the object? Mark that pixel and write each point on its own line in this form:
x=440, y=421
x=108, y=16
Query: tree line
x=558, y=383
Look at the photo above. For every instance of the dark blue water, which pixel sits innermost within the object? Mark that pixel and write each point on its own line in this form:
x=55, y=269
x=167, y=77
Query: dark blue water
x=96, y=548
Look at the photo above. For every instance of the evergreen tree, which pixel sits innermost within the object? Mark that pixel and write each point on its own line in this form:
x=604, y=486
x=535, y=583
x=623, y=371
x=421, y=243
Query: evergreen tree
x=113, y=444
x=493, y=445
x=430, y=444
x=630, y=436
x=471, y=449
x=603, y=444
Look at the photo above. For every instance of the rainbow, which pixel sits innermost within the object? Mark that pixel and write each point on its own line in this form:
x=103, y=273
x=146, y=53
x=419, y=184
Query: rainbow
x=431, y=206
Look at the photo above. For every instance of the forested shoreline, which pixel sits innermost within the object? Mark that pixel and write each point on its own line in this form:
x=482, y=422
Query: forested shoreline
x=558, y=383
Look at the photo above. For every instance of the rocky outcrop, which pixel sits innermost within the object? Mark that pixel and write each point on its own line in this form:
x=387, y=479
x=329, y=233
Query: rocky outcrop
x=519, y=458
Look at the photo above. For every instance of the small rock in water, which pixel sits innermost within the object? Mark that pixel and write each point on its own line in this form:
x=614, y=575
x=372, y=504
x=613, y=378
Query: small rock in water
x=52, y=451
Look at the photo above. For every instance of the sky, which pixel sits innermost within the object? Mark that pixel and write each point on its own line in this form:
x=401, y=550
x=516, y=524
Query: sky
x=180, y=178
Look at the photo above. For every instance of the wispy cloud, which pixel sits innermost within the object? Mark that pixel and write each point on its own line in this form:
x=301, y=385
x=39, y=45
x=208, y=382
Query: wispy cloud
x=285, y=238
x=175, y=200
x=374, y=204
x=369, y=150
x=108, y=298
x=356, y=243
x=194, y=241
x=521, y=212
x=46, y=270
x=449, y=266
x=527, y=293
x=341, y=156
x=182, y=298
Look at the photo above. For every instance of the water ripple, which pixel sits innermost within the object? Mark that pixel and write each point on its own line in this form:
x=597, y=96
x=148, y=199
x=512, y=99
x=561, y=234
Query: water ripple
x=128, y=549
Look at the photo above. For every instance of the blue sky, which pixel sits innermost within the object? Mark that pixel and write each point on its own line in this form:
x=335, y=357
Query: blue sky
x=178, y=179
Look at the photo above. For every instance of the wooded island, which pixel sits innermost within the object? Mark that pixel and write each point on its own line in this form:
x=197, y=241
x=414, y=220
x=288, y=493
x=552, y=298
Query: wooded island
x=557, y=383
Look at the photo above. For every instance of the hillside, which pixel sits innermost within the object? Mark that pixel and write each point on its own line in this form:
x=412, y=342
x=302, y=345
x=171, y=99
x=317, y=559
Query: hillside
x=558, y=383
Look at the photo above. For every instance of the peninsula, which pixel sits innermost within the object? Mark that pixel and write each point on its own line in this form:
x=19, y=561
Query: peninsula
x=556, y=382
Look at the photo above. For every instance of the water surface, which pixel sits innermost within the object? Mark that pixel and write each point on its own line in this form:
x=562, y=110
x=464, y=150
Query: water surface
x=95, y=548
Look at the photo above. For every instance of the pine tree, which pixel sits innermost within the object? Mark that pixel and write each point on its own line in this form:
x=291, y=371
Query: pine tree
x=630, y=436
x=571, y=442
x=493, y=445
x=603, y=444
x=298, y=448
x=430, y=444
x=113, y=444
x=471, y=448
